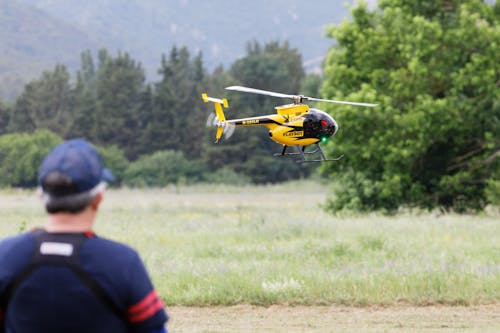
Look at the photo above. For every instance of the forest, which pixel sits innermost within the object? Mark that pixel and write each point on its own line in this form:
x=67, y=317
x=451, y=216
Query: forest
x=433, y=141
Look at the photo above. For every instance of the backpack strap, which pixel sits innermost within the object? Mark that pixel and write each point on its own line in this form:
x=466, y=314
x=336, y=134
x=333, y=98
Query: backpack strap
x=60, y=250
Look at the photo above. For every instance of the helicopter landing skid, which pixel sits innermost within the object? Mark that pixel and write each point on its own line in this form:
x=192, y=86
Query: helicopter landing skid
x=302, y=153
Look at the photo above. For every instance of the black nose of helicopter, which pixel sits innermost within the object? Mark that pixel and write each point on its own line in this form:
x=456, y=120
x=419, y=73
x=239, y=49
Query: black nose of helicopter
x=319, y=124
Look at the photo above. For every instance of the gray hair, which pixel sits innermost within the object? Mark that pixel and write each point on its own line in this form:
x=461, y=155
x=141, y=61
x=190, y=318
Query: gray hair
x=71, y=203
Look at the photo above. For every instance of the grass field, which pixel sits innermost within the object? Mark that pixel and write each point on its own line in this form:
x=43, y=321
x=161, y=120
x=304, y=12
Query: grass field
x=221, y=245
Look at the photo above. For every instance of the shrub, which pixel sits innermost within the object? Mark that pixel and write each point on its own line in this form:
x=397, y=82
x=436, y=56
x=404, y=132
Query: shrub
x=228, y=176
x=115, y=160
x=163, y=168
x=21, y=155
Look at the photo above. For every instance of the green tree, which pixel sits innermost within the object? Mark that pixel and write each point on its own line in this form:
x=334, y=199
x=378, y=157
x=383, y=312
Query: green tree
x=85, y=103
x=274, y=66
x=176, y=121
x=21, y=154
x=311, y=85
x=434, y=140
x=45, y=103
x=493, y=188
x=120, y=87
x=145, y=121
x=115, y=160
x=4, y=118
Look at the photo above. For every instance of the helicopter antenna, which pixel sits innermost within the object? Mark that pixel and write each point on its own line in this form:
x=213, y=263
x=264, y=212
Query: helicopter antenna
x=297, y=99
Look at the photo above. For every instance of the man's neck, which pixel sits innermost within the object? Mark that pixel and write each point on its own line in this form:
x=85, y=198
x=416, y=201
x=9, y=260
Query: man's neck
x=65, y=222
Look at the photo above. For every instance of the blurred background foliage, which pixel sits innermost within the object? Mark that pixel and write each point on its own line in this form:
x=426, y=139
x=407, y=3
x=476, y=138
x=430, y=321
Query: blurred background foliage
x=433, y=141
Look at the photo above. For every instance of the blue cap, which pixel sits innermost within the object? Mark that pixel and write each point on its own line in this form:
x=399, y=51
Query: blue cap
x=77, y=160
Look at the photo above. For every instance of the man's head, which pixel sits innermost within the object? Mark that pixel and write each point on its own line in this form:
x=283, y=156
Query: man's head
x=71, y=176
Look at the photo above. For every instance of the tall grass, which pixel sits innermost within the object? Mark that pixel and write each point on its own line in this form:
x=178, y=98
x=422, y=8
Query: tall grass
x=206, y=245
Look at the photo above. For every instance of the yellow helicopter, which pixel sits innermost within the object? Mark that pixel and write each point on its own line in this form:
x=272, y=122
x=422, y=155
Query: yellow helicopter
x=293, y=125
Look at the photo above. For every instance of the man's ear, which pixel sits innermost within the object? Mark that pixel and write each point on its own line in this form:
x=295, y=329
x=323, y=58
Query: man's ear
x=97, y=201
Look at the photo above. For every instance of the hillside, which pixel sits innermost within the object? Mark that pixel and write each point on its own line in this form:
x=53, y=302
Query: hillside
x=36, y=34
x=31, y=41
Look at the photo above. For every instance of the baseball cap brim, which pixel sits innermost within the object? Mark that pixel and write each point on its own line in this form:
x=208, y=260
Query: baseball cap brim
x=107, y=176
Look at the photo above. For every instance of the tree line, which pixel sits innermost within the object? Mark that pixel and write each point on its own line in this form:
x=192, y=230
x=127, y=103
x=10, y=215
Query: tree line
x=433, y=141
x=111, y=103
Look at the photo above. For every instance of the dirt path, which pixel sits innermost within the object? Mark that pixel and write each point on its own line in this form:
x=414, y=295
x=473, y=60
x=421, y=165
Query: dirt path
x=247, y=318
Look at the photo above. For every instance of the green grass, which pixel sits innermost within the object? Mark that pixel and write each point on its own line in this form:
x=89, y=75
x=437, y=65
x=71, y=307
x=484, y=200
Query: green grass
x=206, y=245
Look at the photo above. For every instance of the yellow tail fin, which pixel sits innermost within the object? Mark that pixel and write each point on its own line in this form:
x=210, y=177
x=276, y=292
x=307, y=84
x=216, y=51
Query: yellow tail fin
x=221, y=118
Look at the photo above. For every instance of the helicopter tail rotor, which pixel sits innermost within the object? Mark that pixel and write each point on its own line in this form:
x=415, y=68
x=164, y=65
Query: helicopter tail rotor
x=224, y=128
x=228, y=130
x=218, y=119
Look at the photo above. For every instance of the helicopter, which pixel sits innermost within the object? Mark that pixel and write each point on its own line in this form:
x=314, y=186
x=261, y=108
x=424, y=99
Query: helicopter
x=293, y=125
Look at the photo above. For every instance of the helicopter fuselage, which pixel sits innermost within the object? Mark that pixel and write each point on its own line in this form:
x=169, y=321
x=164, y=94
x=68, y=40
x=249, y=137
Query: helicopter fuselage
x=294, y=124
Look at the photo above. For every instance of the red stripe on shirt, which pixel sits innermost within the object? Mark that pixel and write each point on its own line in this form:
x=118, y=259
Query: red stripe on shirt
x=144, y=302
x=2, y=314
x=147, y=313
x=145, y=308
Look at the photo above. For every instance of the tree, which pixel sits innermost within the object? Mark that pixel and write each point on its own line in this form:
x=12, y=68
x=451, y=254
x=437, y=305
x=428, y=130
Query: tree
x=114, y=160
x=274, y=66
x=176, y=120
x=311, y=85
x=21, y=154
x=434, y=139
x=4, y=118
x=45, y=103
x=85, y=104
x=119, y=91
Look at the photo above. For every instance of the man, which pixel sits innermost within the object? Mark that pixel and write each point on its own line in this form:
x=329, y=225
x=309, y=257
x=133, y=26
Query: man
x=64, y=278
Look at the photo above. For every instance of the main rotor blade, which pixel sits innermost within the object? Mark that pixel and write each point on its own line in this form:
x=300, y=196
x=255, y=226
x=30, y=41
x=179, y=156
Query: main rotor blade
x=339, y=102
x=296, y=98
x=259, y=91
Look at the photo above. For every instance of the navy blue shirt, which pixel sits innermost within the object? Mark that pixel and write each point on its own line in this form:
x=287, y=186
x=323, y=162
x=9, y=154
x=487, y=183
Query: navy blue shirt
x=52, y=298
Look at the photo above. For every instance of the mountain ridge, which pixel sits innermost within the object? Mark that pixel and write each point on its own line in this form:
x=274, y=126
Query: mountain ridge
x=52, y=31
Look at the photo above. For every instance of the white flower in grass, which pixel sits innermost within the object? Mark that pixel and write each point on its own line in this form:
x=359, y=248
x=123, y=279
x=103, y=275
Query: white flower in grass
x=282, y=286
